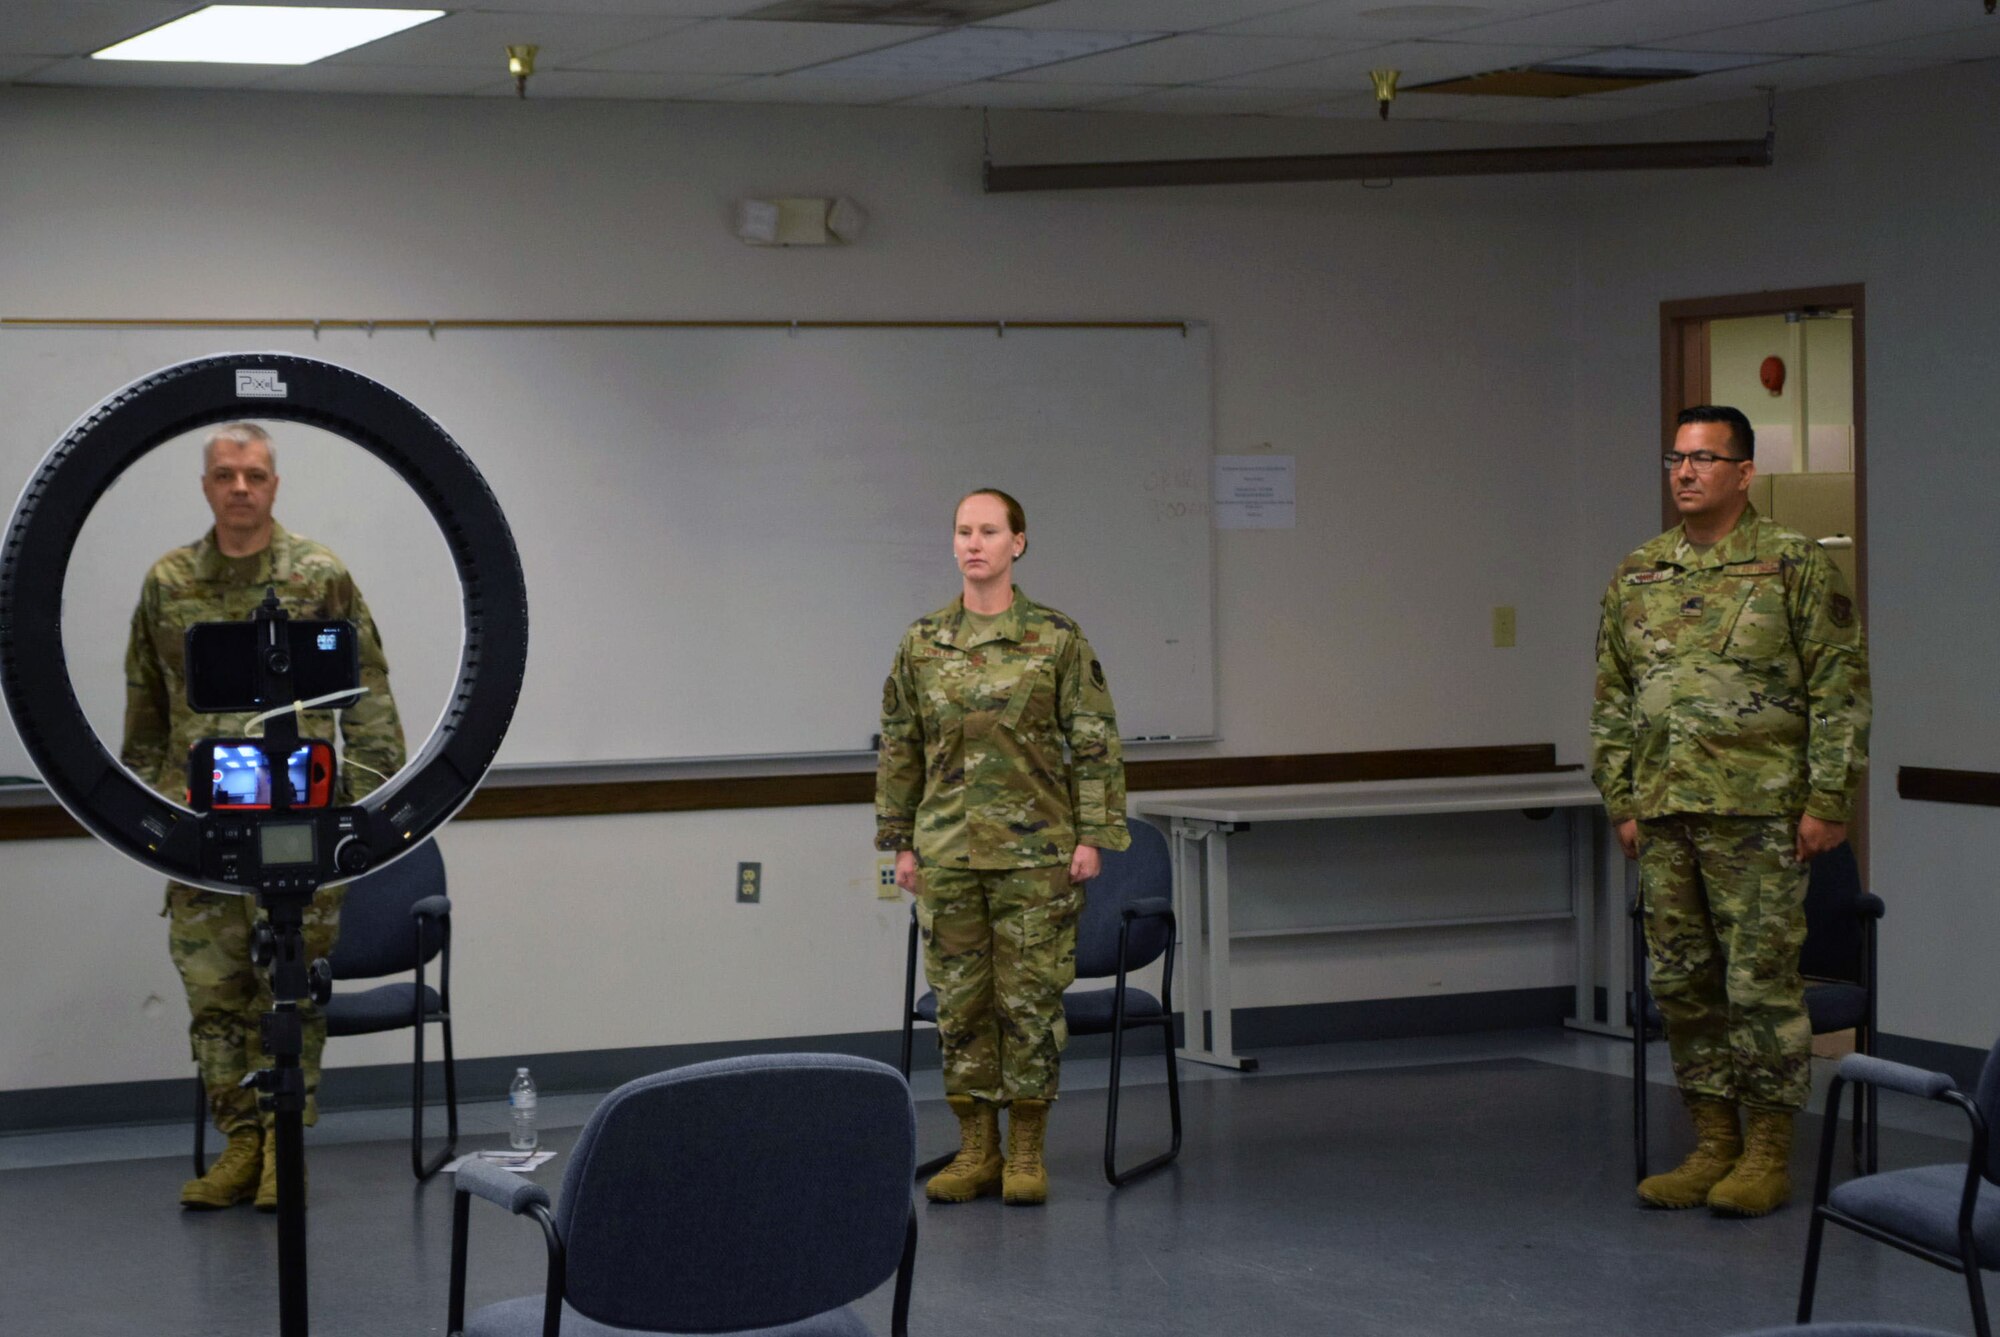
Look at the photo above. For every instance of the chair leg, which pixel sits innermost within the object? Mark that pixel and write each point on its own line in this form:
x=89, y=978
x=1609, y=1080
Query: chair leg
x=1858, y=1127
x=1977, y=1287
x=1810, y=1281
x=421, y=1168
x=200, y=1127
x=899, y=1311
x=1116, y=1177
x=1639, y=1132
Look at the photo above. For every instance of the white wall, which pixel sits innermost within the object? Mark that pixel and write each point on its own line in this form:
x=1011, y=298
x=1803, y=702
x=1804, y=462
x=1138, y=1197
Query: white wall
x=1885, y=183
x=1452, y=363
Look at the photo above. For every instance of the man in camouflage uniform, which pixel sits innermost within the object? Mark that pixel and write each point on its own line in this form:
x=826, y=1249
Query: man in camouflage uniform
x=1728, y=738
x=995, y=831
x=222, y=577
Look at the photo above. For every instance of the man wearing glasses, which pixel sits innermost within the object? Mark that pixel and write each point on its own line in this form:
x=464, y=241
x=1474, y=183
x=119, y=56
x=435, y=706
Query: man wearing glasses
x=1728, y=738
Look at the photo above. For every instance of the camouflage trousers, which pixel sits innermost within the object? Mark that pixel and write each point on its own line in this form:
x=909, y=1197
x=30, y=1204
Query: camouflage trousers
x=999, y=949
x=1725, y=919
x=208, y=933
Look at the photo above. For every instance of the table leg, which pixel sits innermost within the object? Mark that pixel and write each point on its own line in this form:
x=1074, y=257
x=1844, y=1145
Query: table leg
x=1596, y=879
x=1201, y=904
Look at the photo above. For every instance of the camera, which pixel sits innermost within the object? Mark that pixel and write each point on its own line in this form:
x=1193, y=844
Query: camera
x=224, y=662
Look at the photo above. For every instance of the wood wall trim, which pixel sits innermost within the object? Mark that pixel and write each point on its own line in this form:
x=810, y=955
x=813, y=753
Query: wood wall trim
x=1930, y=784
x=499, y=803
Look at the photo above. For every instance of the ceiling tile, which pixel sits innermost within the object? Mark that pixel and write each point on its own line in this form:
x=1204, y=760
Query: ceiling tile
x=13, y=68
x=1181, y=60
x=326, y=77
x=1381, y=21
x=1208, y=100
x=1635, y=22
x=631, y=84
x=1866, y=24
x=807, y=89
x=747, y=46
x=1016, y=94
x=1979, y=43
x=52, y=28
x=1782, y=74
x=85, y=72
x=1420, y=62
x=1135, y=15
x=963, y=55
x=476, y=40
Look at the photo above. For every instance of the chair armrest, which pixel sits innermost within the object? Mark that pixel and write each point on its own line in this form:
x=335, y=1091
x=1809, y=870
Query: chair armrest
x=1896, y=1076
x=1870, y=906
x=436, y=907
x=501, y=1187
x=1151, y=907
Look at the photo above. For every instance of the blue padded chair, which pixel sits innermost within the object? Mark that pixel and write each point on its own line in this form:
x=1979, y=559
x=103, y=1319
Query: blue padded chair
x=395, y=920
x=762, y=1194
x=1939, y=1213
x=1127, y=923
x=1838, y=961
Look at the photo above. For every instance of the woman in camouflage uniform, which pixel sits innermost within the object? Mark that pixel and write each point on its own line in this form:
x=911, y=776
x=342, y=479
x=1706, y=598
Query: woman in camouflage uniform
x=998, y=781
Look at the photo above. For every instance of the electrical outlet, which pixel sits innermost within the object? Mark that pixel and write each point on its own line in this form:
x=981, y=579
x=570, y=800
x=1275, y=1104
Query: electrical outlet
x=885, y=879
x=749, y=883
x=1503, y=627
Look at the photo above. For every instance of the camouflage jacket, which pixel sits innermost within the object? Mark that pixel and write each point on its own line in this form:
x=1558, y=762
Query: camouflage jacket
x=199, y=584
x=1733, y=681
x=972, y=772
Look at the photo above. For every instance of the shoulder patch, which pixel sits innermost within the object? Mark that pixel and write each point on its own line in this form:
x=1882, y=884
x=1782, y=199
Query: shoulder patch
x=1840, y=608
x=1097, y=673
x=891, y=698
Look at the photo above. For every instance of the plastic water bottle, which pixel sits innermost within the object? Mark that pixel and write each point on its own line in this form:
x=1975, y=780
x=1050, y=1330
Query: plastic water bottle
x=521, y=1108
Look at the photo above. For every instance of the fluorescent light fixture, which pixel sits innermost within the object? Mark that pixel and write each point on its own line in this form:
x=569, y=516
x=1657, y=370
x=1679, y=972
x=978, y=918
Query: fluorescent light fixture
x=264, y=34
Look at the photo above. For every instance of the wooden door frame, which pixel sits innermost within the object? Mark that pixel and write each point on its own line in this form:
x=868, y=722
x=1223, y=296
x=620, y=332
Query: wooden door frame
x=1684, y=380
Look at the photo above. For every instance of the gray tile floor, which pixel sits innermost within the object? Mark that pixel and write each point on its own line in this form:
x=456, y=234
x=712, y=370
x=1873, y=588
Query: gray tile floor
x=1475, y=1184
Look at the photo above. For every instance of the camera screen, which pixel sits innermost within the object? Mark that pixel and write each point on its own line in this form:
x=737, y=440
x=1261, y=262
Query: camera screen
x=286, y=843
x=241, y=779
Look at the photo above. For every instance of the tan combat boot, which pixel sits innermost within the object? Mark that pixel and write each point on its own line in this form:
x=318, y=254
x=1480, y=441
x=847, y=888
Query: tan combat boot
x=1761, y=1181
x=231, y=1179
x=1026, y=1180
x=1717, y=1146
x=975, y=1171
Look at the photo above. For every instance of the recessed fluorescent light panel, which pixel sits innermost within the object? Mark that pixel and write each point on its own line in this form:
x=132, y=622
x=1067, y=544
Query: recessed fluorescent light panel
x=264, y=34
x=965, y=54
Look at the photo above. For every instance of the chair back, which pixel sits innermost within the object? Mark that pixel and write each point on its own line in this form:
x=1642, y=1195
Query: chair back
x=744, y=1193
x=377, y=935
x=1143, y=871
x=1836, y=941
x=1987, y=1096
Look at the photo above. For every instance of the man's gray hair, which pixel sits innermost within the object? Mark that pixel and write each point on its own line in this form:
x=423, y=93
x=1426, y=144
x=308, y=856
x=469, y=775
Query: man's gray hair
x=243, y=434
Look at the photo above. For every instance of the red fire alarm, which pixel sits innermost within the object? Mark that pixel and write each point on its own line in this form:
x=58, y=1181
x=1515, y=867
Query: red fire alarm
x=1772, y=374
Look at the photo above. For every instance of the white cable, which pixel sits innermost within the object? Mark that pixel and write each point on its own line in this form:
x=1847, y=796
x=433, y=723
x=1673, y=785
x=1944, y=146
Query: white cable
x=302, y=706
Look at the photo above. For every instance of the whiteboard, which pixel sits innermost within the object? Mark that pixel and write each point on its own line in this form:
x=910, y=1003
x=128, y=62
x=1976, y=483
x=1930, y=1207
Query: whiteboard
x=724, y=531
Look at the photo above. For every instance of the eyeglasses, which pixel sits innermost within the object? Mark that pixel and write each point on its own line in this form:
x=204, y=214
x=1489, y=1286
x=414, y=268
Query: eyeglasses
x=1704, y=461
